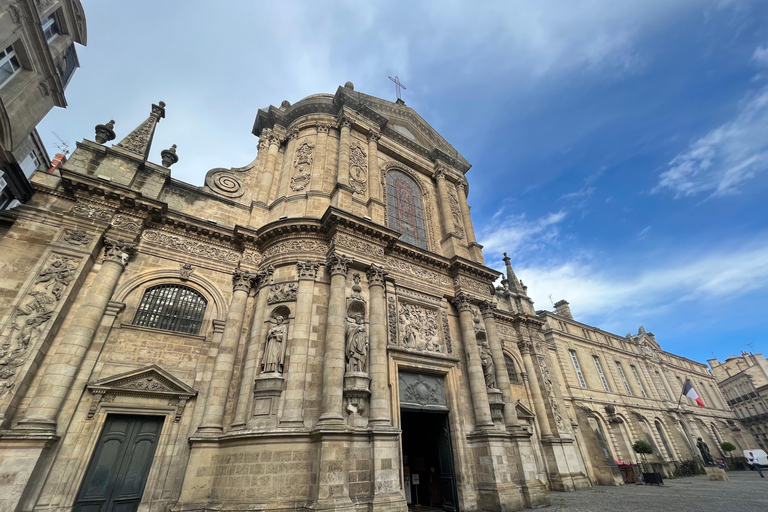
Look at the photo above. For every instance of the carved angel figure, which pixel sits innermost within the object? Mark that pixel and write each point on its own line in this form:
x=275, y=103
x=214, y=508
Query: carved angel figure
x=273, y=352
x=357, y=344
x=489, y=369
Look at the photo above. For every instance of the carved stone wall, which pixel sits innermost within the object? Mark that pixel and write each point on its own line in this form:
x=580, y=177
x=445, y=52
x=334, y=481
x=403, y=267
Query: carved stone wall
x=418, y=327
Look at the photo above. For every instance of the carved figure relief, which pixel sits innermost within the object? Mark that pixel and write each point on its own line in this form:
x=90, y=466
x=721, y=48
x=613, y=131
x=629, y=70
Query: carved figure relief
x=458, y=225
x=33, y=314
x=283, y=292
x=190, y=246
x=358, y=169
x=274, y=350
x=547, y=378
x=418, y=328
x=392, y=319
x=302, y=164
x=447, y=334
x=489, y=368
x=357, y=344
x=76, y=237
x=186, y=270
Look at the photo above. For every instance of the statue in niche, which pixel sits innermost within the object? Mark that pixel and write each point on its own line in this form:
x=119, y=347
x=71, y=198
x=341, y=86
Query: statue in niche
x=357, y=344
x=704, y=450
x=489, y=369
x=273, y=352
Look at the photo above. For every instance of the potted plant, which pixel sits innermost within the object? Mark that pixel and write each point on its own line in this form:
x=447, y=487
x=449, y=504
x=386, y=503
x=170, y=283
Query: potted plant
x=645, y=448
x=728, y=448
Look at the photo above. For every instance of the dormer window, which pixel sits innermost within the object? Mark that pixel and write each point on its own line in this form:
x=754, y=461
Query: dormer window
x=51, y=27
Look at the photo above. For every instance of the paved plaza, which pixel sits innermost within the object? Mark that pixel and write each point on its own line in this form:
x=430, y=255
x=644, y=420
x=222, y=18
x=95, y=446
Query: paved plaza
x=745, y=491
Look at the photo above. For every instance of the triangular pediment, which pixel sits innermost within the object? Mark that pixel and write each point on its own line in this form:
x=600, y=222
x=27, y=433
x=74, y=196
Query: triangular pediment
x=151, y=380
x=523, y=411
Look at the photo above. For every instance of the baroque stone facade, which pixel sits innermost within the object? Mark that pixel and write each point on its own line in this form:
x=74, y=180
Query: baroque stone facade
x=315, y=330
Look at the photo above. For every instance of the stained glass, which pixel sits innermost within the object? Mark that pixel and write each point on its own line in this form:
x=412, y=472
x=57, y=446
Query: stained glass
x=405, y=212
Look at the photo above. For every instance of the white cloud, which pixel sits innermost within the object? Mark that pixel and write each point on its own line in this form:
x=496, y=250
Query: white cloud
x=727, y=156
x=515, y=233
x=761, y=55
x=642, y=234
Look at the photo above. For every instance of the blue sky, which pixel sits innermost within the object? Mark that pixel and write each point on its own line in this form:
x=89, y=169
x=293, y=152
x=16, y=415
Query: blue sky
x=619, y=149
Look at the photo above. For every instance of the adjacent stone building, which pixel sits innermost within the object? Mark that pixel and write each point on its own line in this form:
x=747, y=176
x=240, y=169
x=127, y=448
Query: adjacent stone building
x=315, y=330
x=37, y=61
x=744, y=382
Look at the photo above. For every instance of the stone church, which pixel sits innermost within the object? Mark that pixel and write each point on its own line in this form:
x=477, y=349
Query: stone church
x=316, y=330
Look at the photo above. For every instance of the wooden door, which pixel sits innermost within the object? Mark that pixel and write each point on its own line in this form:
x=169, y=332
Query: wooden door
x=447, y=474
x=117, y=473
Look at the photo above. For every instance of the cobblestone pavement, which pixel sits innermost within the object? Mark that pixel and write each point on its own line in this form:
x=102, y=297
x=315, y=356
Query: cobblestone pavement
x=745, y=491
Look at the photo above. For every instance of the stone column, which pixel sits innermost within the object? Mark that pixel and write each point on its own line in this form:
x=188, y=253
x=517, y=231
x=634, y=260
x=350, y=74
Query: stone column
x=483, y=420
x=319, y=169
x=502, y=377
x=302, y=327
x=60, y=372
x=255, y=339
x=345, y=128
x=379, y=412
x=224, y=365
x=540, y=407
x=269, y=170
x=284, y=185
x=375, y=194
x=333, y=360
x=474, y=248
x=445, y=202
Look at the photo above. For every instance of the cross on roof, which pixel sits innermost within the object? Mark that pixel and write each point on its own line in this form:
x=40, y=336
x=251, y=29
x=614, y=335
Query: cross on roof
x=398, y=85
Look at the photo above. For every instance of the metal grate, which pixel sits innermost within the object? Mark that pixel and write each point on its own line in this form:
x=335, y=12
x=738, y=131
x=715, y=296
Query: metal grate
x=511, y=370
x=172, y=308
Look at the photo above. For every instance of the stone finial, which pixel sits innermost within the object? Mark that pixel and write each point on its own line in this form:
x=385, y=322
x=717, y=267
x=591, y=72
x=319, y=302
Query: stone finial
x=169, y=156
x=139, y=141
x=105, y=132
x=350, y=86
x=285, y=104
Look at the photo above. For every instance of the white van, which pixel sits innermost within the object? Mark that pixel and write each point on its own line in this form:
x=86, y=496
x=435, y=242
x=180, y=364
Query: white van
x=760, y=456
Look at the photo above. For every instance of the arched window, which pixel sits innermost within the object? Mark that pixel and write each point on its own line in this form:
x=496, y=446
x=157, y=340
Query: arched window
x=663, y=438
x=405, y=212
x=172, y=308
x=511, y=369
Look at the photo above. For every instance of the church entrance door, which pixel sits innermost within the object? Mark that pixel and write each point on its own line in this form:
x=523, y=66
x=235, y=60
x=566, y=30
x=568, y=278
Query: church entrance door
x=428, y=459
x=117, y=473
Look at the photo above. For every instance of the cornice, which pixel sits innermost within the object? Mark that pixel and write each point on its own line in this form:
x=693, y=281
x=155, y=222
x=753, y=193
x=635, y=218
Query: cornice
x=76, y=183
x=459, y=265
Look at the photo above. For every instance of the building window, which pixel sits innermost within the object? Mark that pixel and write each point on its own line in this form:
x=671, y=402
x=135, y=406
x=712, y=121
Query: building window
x=30, y=164
x=51, y=27
x=663, y=438
x=600, y=373
x=9, y=64
x=511, y=369
x=663, y=387
x=71, y=63
x=577, y=367
x=172, y=308
x=637, y=379
x=405, y=212
x=623, y=378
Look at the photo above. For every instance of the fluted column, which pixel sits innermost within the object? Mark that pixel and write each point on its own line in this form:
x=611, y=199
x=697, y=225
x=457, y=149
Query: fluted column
x=61, y=371
x=461, y=186
x=255, y=339
x=525, y=346
x=302, y=326
x=269, y=170
x=445, y=204
x=483, y=420
x=345, y=128
x=224, y=365
x=502, y=377
x=333, y=360
x=380, y=413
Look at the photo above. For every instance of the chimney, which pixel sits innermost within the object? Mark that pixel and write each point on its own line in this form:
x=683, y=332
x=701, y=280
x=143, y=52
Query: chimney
x=562, y=309
x=58, y=160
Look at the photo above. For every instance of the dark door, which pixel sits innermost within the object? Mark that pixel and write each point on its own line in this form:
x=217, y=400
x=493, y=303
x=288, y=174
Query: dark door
x=447, y=477
x=115, y=479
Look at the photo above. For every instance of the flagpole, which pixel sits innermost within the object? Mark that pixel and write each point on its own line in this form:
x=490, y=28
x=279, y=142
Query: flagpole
x=682, y=393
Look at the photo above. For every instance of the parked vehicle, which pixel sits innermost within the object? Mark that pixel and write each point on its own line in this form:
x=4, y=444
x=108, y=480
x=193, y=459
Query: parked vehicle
x=760, y=455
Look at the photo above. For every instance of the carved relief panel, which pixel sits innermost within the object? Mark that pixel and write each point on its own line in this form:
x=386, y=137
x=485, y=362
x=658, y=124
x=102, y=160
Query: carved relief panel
x=358, y=169
x=302, y=167
x=418, y=327
x=419, y=391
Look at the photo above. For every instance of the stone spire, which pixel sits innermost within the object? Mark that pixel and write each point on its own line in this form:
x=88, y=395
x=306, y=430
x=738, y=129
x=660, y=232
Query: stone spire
x=512, y=282
x=139, y=141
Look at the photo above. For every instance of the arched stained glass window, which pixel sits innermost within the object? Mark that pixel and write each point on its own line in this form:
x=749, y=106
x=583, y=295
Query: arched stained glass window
x=511, y=369
x=172, y=308
x=405, y=212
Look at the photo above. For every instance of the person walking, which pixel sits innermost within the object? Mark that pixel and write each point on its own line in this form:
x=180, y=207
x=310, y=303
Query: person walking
x=755, y=464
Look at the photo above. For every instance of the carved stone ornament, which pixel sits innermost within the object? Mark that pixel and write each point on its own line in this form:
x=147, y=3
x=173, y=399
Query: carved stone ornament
x=140, y=139
x=338, y=264
x=33, y=314
x=447, y=333
x=149, y=382
x=302, y=164
x=283, y=292
x=252, y=257
x=358, y=169
x=291, y=246
x=323, y=127
x=88, y=211
x=127, y=223
x=376, y=275
x=458, y=224
x=169, y=156
x=262, y=277
x=193, y=247
x=487, y=308
x=45, y=88
x=307, y=269
x=473, y=285
x=241, y=280
x=15, y=12
x=421, y=391
x=358, y=245
x=76, y=237
x=105, y=132
x=373, y=137
x=274, y=349
x=226, y=184
x=357, y=344
x=392, y=320
x=186, y=270
x=489, y=368
x=118, y=251
x=554, y=406
x=397, y=265
x=463, y=302
x=418, y=328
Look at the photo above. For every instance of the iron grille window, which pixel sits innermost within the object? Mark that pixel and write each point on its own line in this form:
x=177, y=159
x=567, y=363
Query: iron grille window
x=623, y=377
x=511, y=369
x=600, y=373
x=172, y=308
x=405, y=212
x=577, y=367
x=637, y=379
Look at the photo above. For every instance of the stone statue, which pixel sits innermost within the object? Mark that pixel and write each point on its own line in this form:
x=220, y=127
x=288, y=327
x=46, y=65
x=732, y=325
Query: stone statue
x=489, y=369
x=704, y=450
x=273, y=352
x=357, y=344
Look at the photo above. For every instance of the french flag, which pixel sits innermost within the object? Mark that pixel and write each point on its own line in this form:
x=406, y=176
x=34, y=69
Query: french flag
x=691, y=393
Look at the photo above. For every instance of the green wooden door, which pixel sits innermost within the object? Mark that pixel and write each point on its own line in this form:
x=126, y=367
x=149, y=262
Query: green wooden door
x=115, y=479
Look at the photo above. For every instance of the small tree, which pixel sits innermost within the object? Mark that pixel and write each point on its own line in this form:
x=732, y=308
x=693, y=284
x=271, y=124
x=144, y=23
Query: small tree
x=643, y=448
x=727, y=448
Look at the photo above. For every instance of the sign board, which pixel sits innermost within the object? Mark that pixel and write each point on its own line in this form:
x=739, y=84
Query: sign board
x=415, y=477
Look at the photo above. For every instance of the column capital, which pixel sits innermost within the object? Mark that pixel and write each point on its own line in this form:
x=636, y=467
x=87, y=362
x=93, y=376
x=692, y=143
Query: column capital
x=487, y=308
x=118, y=251
x=344, y=122
x=241, y=280
x=338, y=264
x=307, y=270
x=463, y=302
x=293, y=134
x=376, y=275
x=322, y=127
x=373, y=136
x=461, y=184
x=262, y=277
x=439, y=173
x=524, y=346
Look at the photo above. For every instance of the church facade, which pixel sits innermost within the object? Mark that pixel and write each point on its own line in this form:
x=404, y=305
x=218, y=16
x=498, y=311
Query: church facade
x=315, y=330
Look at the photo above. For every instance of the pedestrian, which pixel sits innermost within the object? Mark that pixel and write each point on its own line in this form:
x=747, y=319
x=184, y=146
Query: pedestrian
x=755, y=464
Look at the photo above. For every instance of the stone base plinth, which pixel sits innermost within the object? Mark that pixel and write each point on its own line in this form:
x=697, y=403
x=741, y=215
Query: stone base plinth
x=715, y=473
x=266, y=397
x=357, y=393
